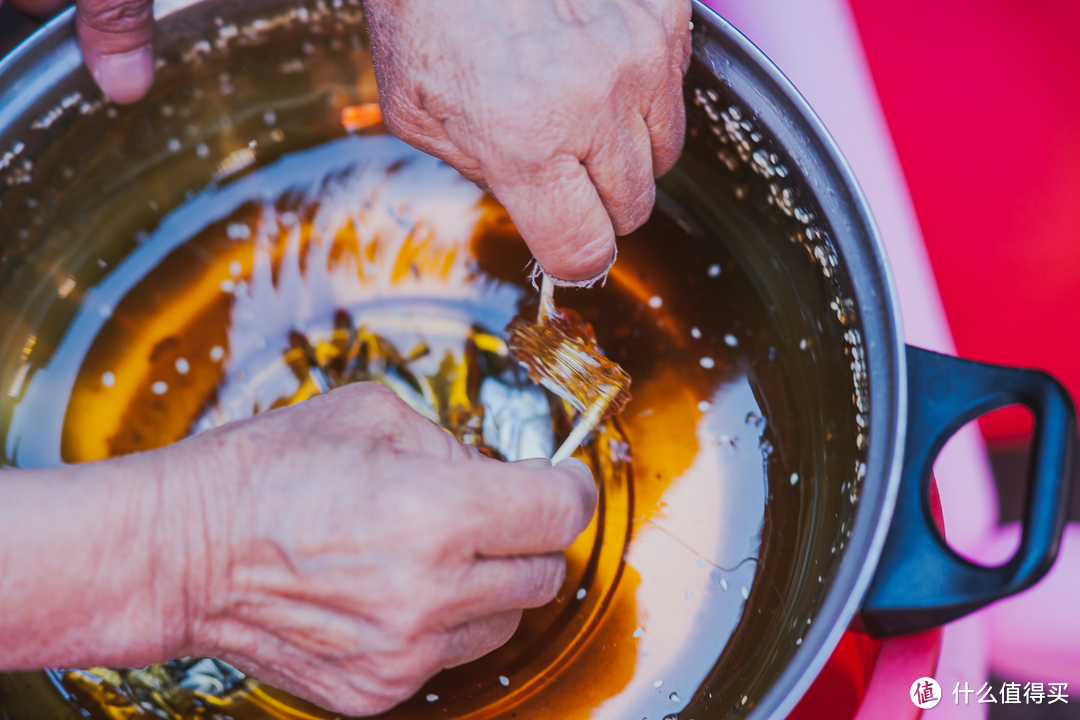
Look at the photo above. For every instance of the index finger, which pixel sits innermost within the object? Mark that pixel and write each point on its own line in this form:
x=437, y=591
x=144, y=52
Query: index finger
x=557, y=209
x=514, y=509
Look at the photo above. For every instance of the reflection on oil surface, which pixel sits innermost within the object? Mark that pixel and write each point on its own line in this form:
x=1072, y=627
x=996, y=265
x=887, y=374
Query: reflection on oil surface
x=363, y=259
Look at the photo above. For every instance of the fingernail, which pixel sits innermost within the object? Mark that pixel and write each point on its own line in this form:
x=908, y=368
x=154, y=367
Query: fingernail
x=125, y=77
x=533, y=462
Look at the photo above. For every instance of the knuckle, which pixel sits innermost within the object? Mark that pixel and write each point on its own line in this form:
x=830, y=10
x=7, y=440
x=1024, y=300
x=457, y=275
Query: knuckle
x=358, y=704
x=116, y=17
x=421, y=515
x=347, y=693
x=381, y=406
x=397, y=677
x=377, y=393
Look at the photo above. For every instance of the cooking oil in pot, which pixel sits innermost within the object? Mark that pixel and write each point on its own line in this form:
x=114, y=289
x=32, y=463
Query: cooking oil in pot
x=335, y=258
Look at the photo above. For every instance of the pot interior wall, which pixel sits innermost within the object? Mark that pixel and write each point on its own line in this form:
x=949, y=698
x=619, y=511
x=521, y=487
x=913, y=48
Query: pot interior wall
x=84, y=190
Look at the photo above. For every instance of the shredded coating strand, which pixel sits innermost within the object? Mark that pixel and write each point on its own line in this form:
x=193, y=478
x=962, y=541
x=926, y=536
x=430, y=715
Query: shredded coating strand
x=562, y=355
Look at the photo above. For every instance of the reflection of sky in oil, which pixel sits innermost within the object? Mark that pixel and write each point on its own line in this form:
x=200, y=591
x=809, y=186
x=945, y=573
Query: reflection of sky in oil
x=388, y=242
x=684, y=551
x=381, y=185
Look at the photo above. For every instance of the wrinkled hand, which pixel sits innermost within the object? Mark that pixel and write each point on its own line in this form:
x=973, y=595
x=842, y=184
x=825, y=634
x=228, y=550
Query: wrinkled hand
x=353, y=549
x=566, y=110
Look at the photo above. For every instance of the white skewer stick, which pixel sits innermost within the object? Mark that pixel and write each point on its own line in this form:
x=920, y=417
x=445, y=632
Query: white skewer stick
x=591, y=417
x=547, y=299
x=586, y=424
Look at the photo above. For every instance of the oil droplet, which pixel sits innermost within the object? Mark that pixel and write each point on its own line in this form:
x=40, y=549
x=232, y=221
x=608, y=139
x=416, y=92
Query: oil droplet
x=432, y=697
x=674, y=697
x=182, y=366
x=700, y=562
x=658, y=683
x=707, y=362
x=714, y=270
x=723, y=583
x=730, y=340
x=794, y=478
x=238, y=231
x=639, y=633
x=217, y=352
x=64, y=290
x=689, y=594
x=159, y=388
x=655, y=301
x=581, y=593
x=695, y=333
x=174, y=145
x=745, y=593
x=504, y=681
x=108, y=379
x=704, y=405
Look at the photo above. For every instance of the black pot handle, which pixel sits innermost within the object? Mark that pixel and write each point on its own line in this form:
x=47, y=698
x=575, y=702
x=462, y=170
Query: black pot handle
x=920, y=583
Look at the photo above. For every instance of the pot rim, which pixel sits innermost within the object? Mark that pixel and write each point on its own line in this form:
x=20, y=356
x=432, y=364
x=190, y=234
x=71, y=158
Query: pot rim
x=52, y=53
x=886, y=359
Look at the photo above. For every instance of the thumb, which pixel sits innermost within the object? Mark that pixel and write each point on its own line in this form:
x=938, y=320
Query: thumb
x=558, y=212
x=116, y=37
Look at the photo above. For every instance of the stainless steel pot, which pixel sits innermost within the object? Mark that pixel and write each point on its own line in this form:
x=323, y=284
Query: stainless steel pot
x=759, y=176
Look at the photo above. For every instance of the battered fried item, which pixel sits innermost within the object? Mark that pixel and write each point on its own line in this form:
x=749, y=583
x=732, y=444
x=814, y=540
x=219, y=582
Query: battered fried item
x=559, y=351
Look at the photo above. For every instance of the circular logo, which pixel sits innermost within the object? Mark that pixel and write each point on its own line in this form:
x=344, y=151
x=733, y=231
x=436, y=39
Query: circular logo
x=925, y=693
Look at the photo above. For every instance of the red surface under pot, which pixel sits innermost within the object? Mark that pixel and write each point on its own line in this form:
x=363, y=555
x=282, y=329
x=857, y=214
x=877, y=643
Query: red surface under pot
x=870, y=679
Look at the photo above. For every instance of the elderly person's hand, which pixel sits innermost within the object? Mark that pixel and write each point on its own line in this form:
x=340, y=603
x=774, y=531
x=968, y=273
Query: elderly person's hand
x=344, y=549
x=566, y=110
